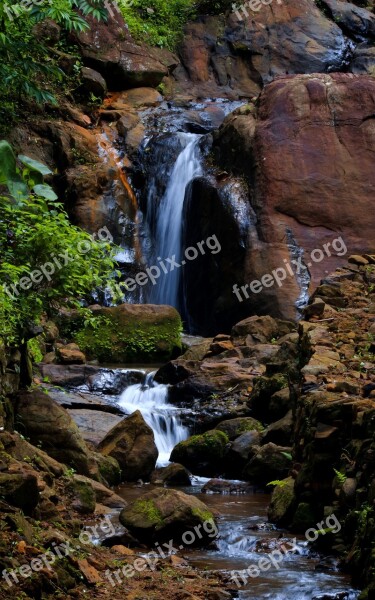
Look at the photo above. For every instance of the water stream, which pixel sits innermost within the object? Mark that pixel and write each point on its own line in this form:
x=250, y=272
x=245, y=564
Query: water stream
x=151, y=399
x=169, y=213
x=245, y=536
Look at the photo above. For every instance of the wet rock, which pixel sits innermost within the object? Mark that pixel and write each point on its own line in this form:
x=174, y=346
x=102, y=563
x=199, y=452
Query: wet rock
x=203, y=454
x=220, y=486
x=355, y=21
x=68, y=375
x=282, y=503
x=131, y=442
x=164, y=514
x=247, y=53
x=174, y=474
x=290, y=109
x=241, y=450
x=94, y=425
x=363, y=62
x=93, y=82
x=233, y=428
x=270, y=463
x=109, y=48
x=82, y=496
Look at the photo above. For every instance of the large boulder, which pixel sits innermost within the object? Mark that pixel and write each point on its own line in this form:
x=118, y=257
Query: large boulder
x=202, y=454
x=282, y=503
x=295, y=198
x=174, y=474
x=130, y=332
x=233, y=428
x=270, y=463
x=240, y=452
x=46, y=423
x=108, y=47
x=164, y=514
x=237, y=54
x=131, y=442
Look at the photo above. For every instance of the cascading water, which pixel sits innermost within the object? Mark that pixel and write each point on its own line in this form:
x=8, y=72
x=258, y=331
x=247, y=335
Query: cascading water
x=151, y=399
x=168, y=227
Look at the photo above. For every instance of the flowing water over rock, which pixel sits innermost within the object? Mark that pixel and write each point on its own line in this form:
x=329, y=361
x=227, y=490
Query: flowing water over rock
x=151, y=399
x=168, y=228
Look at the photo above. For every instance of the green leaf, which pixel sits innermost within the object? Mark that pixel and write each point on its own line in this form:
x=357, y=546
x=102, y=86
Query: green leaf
x=34, y=165
x=18, y=189
x=45, y=191
x=8, y=167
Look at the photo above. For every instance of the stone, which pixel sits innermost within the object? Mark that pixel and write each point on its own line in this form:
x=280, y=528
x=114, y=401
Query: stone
x=109, y=48
x=127, y=333
x=93, y=82
x=163, y=514
x=203, y=454
x=280, y=432
x=282, y=503
x=131, y=442
x=20, y=490
x=233, y=428
x=70, y=355
x=46, y=423
x=174, y=474
x=357, y=21
x=271, y=462
x=82, y=495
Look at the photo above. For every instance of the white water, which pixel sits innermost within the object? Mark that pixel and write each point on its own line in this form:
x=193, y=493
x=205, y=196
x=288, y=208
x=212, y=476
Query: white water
x=151, y=399
x=168, y=230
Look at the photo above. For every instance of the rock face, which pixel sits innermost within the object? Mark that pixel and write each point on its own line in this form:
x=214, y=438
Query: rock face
x=132, y=444
x=109, y=48
x=163, y=514
x=322, y=126
x=45, y=422
x=241, y=52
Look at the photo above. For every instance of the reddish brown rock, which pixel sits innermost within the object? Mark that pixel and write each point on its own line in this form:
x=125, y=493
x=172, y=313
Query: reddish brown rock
x=310, y=164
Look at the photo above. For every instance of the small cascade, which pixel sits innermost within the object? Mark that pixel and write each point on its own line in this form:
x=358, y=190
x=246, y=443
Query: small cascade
x=169, y=215
x=151, y=399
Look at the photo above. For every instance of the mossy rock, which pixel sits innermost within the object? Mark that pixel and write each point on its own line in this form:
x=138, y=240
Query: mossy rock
x=264, y=388
x=304, y=518
x=164, y=514
x=129, y=333
x=109, y=469
x=202, y=454
x=83, y=496
x=282, y=502
x=233, y=428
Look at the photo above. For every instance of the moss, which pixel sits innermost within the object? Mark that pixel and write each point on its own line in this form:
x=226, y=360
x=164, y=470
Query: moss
x=109, y=340
x=148, y=510
x=203, y=515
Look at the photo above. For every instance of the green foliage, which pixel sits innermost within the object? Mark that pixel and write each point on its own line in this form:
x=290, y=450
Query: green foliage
x=158, y=22
x=21, y=183
x=43, y=257
x=108, y=340
x=34, y=350
x=28, y=69
x=281, y=483
x=341, y=477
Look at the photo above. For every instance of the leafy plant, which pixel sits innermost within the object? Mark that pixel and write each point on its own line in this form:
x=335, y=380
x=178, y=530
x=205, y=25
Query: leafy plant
x=278, y=483
x=41, y=262
x=341, y=477
x=21, y=183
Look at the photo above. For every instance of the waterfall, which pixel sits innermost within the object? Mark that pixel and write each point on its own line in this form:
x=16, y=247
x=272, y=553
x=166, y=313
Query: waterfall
x=168, y=226
x=151, y=399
